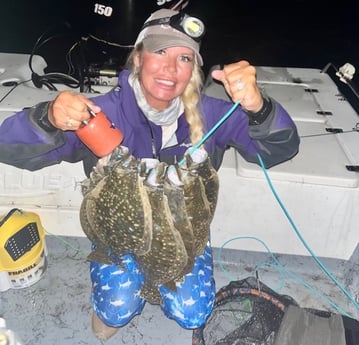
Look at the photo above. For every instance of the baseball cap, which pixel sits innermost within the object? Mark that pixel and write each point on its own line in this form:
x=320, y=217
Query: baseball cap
x=167, y=28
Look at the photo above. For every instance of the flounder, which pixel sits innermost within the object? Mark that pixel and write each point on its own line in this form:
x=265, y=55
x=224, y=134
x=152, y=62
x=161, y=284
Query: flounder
x=196, y=187
x=116, y=213
x=168, y=256
x=174, y=190
x=208, y=175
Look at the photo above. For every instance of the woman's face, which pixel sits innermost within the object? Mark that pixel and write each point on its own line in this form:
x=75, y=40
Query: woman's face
x=164, y=74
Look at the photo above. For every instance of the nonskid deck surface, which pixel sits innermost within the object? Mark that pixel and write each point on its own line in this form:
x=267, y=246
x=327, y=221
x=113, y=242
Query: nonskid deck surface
x=57, y=309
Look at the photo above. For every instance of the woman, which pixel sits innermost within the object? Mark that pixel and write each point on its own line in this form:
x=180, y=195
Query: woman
x=160, y=110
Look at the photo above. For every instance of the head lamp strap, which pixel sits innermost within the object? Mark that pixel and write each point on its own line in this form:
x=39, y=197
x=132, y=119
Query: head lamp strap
x=161, y=21
x=178, y=22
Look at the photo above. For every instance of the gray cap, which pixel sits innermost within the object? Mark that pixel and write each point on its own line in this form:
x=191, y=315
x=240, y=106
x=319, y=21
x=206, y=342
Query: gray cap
x=161, y=36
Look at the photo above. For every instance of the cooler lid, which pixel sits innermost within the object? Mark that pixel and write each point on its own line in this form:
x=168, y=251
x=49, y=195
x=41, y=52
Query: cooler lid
x=321, y=160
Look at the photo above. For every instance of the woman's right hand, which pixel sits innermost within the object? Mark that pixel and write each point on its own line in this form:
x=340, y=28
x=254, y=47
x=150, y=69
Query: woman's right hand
x=68, y=110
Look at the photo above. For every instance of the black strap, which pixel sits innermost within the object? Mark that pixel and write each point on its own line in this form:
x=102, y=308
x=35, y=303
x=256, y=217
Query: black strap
x=10, y=213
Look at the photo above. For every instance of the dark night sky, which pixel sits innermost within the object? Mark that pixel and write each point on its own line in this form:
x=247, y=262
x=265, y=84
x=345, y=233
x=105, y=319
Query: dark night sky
x=296, y=33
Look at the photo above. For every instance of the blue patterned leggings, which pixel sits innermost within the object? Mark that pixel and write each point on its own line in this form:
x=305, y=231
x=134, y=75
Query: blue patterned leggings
x=116, y=292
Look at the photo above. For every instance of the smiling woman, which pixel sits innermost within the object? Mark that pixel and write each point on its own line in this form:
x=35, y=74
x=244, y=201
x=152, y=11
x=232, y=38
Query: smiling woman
x=164, y=74
x=159, y=107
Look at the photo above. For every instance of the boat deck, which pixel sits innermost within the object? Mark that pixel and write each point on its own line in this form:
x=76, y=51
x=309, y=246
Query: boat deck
x=57, y=309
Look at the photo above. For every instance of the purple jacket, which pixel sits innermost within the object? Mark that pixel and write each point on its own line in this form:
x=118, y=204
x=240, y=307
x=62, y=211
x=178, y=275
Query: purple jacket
x=27, y=144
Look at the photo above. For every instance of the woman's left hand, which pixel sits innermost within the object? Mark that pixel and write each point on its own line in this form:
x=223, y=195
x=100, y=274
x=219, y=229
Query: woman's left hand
x=240, y=82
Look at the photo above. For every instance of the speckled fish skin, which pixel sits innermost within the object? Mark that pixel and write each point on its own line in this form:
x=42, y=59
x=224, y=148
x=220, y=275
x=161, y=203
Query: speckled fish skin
x=100, y=254
x=168, y=256
x=197, y=205
x=96, y=237
x=210, y=181
x=96, y=180
x=125, y=210
x=116, y=211
x=176, y=201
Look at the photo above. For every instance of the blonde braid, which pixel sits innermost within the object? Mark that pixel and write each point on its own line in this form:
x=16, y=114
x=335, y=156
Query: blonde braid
x=190, y=98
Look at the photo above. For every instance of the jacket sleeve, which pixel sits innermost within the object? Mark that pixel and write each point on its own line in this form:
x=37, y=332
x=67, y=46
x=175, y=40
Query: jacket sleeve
x=277, y=138
x=28, y=141
x=272, y=135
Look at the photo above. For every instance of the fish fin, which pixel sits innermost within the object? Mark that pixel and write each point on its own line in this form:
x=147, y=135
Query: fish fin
x=171, y=285
x=151, y=294
x=100, y=256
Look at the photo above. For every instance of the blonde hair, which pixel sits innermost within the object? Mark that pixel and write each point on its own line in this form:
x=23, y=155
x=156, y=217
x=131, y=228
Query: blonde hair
x=190, y=97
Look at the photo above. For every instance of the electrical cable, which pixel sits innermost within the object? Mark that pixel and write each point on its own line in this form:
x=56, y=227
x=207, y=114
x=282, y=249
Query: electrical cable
x=48, y=79
x=129, y=46
x=71, y=67
x=13, y=88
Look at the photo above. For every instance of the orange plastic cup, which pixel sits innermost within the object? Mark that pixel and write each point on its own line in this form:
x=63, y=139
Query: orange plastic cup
x=100, y=135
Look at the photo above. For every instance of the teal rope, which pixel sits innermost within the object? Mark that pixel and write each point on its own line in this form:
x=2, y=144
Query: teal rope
x=281, y=270
x=321, y=265
x=214, y=128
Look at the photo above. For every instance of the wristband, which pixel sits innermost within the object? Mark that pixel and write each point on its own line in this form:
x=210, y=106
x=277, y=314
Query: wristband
x=260, y=116
x=44, y=122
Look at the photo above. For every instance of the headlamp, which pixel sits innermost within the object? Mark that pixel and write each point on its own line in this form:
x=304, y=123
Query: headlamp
x=191, y=26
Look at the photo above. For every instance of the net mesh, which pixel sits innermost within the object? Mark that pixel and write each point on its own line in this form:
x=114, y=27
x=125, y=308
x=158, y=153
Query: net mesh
x=246, y=312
